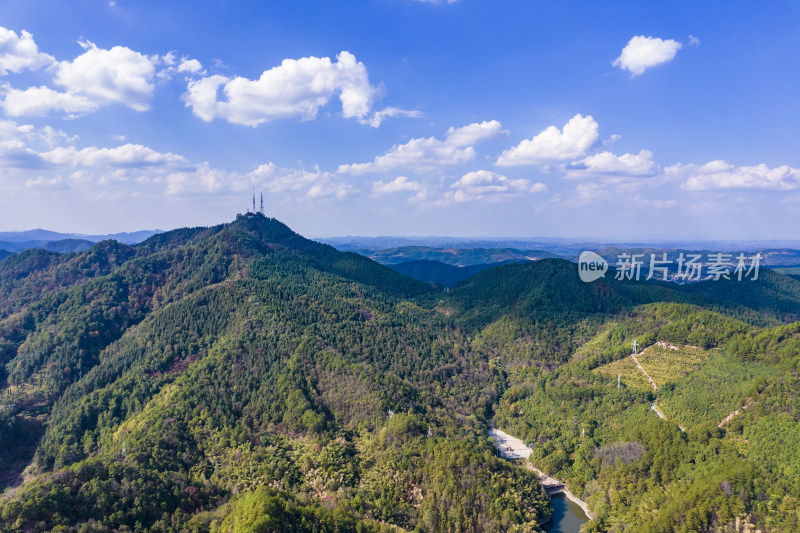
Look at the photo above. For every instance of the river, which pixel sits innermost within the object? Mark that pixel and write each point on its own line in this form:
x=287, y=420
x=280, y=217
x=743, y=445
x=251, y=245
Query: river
x=567, y=516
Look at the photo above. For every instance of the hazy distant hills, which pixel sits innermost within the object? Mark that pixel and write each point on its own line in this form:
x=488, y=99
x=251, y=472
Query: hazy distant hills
x=16, y=241
x=458, y=260
x=438, y=272
x=46, y=235
x=567, y=248
x=459, y=257
x=61, y=246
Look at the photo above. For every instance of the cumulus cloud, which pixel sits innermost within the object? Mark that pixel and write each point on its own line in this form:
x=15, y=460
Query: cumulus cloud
x=26, y=133
x=379, y=116
x=430, y=152
x=295, y=88
x=21, y=144
x=46, y=183
x=125, y=156
x=191, y=66
x=118, y=75
x=399, y=184
x=330, y=189
x=554, y=145
x=201, y=180
x=278, y=179
x=15, y=154
x=309, y=184
x=643, y=52
x=19, y=52
x=720, y=174
x=95, y=78
x=473, y=133
x=609, y=164
x=39, y=101
x=490, y=186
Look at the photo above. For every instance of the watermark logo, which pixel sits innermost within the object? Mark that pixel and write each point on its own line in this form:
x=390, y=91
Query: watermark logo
x=591, y=266
x=682, y=269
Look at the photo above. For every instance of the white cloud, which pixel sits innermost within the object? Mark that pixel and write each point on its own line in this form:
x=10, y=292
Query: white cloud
x=125, y=156
x=330, y=189
x=169, y=58
x=415, y=154
x=656, y=203
x=490, y=186
x=296, y=88
x=19, y=52
x=473, y=133
x=118, y=75
x=694, y=40
x=95, y=78
x=15, y=154
x=554, y=145
x=399, y=184
x=39, y=101
x=609, y=164
x=379, y=116
x=27, y=133
x=21, y=144
x=46, y=183
x=723, y=175
x=587, y=193
x=429, y=153
x=198, y=181
x=643, y=52
x=309, y=184
x=191, y=66
x=278, y=179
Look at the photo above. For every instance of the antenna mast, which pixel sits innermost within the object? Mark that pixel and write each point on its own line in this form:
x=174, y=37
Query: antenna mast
x=254, y=200
x=262, y=203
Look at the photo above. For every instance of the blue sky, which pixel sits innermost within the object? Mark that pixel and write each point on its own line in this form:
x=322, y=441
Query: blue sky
x=404, y=117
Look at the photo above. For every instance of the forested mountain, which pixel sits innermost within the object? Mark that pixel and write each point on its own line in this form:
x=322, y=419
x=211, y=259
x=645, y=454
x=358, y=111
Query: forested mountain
x=437, y=272
x=185, y=382
x=244, y=378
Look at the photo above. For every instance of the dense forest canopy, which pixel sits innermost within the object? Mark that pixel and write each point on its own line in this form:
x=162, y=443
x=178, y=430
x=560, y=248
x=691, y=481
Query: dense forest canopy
x=244, y=378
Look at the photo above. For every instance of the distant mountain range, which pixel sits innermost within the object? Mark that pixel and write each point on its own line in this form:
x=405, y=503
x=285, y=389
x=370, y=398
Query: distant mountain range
x=459, y=257
x=16, y=241
x=438, y=272
x=564, y=247
x=447, y=261
x=47, y=235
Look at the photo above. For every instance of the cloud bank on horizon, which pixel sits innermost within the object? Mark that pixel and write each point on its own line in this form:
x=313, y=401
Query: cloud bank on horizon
x=70, y=109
